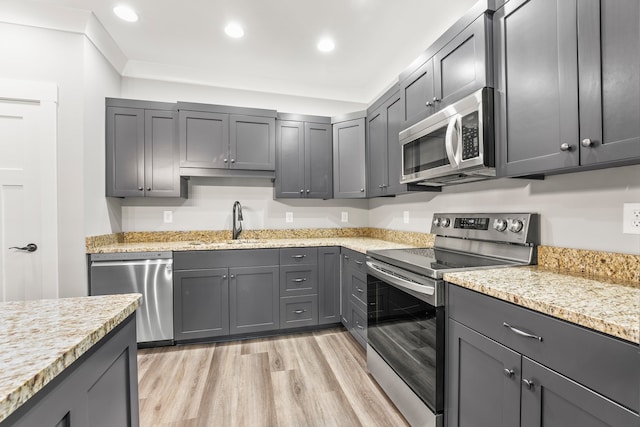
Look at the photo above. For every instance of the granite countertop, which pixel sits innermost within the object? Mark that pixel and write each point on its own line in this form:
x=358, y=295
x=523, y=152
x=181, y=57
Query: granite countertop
x=359, y=244
x=41, y=338
x=593, y=302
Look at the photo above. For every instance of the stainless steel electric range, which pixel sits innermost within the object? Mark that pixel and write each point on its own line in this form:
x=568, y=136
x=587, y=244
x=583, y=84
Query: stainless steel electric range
x=406, y=299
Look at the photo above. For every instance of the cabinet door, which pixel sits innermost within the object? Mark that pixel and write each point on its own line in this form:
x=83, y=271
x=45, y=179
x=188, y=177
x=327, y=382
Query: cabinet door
x=204, y=139
x=394, y=151
x=125, y=152
x=254, y=299
x=345, y=295
x=200, y=303
x=609, y=64
x=349, y=178
x=483, y=379
x=252, y=143
x=553, y=400
x=416, y=92
x=289, y=159
x=537, y=96
x=462, y=66
x=162, y=154
x=328, y=285
x=318, y=161
x=377, y=152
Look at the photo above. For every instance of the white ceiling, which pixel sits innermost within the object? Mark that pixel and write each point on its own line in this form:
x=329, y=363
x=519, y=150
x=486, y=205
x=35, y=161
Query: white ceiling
x=185, y=41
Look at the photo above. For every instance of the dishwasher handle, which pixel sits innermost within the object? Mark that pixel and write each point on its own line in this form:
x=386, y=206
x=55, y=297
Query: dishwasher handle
x=168, y=263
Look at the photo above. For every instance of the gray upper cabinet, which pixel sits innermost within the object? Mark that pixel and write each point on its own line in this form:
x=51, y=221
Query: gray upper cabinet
x=349, y=171
x=304, y=158
x=460, y=63
x=568, y=91
x=218, y=140
x=142, y=152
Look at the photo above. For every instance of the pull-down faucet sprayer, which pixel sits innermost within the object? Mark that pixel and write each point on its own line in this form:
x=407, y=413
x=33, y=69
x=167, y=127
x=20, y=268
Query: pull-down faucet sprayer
x=237, y=219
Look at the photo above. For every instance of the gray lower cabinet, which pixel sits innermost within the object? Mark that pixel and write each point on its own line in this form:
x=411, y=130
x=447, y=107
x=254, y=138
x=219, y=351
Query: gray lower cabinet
x=226, y=292
x=201, y=303
x=99, y=389
x=304, y=158
x=349, y=160
x=142, y=151
x=354, y=294
x=568, y=92
x=328, y=285
x=509, y=366
x=254, y=300
x=218, y=140
x=298, y=287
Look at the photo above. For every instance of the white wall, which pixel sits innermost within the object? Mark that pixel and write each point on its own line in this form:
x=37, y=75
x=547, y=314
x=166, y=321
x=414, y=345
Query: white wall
x=211, y=200
x=155, y=90
x=578, y=210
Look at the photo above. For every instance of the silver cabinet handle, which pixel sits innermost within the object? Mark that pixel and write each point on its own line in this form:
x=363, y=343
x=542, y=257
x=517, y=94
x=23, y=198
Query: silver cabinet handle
x=528, y=383
x=233, y=276
x=298, y=256
x=140, y=188
x=224, y=276
x=508, y=372
x=308, y=191
x=428, y=104
x=233, y=160
x=359, y=289
x=587, y=142
x=362, y=190
x=566, y=147
x=346, y=257
x=436, y=99
x=298, y=280
x=521, y=333
x=299, y=311
x=148, y=188
x=225, y=160
x=301, y=191
x=358, y=262
x=31, y=247
x=358, y=325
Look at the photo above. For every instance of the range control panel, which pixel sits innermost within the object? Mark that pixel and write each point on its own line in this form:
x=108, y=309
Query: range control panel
x=511, y=227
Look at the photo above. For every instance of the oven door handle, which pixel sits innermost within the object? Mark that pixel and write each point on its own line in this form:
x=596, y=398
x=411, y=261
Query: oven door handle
x=398, y=280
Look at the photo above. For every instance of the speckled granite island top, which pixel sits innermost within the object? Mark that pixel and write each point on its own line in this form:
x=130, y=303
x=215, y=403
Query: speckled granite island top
x=39, y=339
x=606, y=307
x=359, y=244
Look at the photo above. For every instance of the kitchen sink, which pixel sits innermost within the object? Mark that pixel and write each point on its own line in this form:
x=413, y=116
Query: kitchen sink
x=240, y=241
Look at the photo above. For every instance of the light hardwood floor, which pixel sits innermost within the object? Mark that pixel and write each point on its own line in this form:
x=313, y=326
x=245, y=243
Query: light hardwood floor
x=310, y=379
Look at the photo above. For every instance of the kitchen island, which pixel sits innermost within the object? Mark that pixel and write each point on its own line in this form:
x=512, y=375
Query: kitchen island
x=69, y=361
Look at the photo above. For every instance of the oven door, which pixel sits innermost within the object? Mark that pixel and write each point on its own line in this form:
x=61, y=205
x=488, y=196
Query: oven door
x=408, y=334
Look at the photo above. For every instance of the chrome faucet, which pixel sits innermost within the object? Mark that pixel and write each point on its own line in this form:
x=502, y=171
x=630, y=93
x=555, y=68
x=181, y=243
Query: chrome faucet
x=237, y=219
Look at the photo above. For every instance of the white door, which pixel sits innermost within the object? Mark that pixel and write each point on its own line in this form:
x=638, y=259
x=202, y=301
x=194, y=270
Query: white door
x=28, y=191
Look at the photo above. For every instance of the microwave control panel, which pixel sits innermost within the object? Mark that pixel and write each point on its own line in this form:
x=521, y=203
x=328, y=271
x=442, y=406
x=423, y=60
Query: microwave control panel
x=470, y=138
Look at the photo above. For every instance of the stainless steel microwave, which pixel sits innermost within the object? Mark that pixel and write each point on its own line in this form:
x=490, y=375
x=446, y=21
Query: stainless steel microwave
x=452, y=146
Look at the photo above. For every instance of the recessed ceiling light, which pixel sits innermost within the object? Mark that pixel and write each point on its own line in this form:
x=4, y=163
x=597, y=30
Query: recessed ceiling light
x=125, y=13
x=234, y=30
x=326, y=45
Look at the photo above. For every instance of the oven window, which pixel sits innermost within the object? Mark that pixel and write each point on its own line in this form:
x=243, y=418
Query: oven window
x=409, y=335
x=425, y=153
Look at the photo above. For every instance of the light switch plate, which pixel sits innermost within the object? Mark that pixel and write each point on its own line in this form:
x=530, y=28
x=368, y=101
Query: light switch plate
x=344, y=217
x=289, y=217
x=168, y=217
x=631, y=218
x=405, y=217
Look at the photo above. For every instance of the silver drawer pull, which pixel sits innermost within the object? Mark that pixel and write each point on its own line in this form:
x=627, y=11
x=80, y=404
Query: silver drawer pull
x=359, y=289
x=359, y=326
x=298, y=280
x=358, y=262
x=298, y=256
x=299, y=311
x=528, y=383
x=521, y=333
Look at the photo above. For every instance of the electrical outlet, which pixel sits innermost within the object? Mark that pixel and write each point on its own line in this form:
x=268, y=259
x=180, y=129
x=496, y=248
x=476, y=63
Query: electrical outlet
x=289, y=217
x=344, y=217
x=168, y=217
x=405, y=217
x=631, y=218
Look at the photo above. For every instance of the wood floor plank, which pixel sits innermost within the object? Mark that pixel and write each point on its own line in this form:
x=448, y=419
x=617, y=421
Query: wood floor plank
x=310, y=379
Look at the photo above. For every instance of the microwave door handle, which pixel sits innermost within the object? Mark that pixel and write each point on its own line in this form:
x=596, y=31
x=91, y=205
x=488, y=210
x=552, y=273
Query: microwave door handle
x=448, y=142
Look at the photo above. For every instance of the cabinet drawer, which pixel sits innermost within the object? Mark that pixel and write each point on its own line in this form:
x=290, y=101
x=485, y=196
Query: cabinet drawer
x=298, y=280
x=359, y=325
x=292, y=256
x=298, y=311
x=355, y=260
x=605, y=364
x=358, y=289
x=194, y=260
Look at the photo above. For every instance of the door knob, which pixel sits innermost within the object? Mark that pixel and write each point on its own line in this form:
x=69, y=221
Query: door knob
x=566, y=147
x=31, y=247
x=587, y=142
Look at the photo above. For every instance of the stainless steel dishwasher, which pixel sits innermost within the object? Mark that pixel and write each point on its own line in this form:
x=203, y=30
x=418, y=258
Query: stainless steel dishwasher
x=147, y=273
